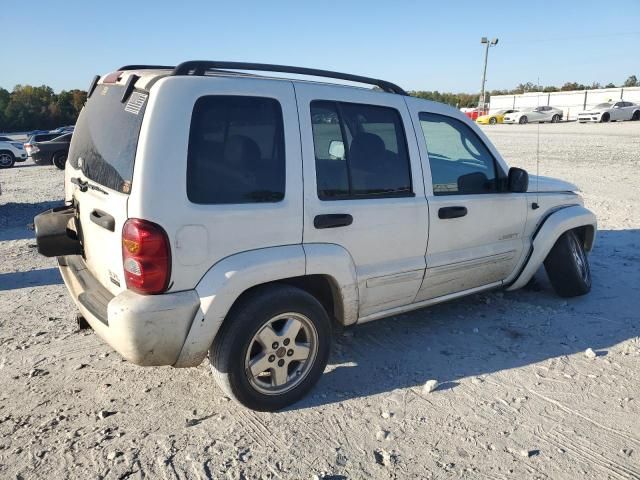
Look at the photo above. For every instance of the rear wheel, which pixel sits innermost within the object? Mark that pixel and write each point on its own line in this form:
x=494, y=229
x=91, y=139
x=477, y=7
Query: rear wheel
x=60, y=159
x=7, y=159
x=636, y=115
x=567, y=266
x=272, y=348
x=493, y=120
x=605, y=117
x=555, y=119
x=524, y=120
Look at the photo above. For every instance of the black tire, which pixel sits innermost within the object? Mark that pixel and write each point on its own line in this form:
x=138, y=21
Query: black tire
x=636, y=116
x=493, y=120
x=605, y=117
x=230, y=349
x=7, y=159
x=568, y=267
x=60, y=160
x=555, y=119
x=523, y=120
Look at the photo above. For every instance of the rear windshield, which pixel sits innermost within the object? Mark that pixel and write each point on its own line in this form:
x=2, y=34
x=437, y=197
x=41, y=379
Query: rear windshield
x=106, y=136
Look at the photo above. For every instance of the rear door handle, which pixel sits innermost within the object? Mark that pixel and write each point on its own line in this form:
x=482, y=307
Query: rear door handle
x=452, y=212
x=332, y=220
x=103, y=219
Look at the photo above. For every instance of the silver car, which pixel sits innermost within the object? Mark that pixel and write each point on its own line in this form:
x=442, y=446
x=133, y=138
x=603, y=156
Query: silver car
x=611, y=111
x=535, y=114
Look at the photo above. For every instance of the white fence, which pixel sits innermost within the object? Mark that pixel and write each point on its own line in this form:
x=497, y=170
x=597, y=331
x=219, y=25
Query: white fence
x=571, y=102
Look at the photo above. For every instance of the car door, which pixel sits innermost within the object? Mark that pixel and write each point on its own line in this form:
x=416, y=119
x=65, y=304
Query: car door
x=617, y=111
x=475, y=226
x=363, y=189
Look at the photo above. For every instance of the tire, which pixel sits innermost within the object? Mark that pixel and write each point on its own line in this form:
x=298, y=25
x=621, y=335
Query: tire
x=636, y=116
x=568, y=267
x=244, y=340
x=555, y=119
x=523, y=120
x=60, y=160
x=605, y=117
x=493, y=120
x=7, y=159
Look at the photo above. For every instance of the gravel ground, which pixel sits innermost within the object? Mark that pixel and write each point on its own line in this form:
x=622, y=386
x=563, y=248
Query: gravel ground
x=518, y=397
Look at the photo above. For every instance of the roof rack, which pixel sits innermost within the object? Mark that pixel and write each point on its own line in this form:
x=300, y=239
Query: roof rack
x=146, y=67
x=200, y=67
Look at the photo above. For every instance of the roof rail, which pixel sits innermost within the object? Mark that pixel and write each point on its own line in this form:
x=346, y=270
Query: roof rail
x=146, y=67
x=200, y=67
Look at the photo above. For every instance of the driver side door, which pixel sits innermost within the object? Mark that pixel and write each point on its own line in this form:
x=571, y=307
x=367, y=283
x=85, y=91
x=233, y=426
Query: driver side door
x=475, y=226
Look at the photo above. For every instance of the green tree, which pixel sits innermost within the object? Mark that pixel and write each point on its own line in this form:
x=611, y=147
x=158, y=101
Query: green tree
x=632, y=81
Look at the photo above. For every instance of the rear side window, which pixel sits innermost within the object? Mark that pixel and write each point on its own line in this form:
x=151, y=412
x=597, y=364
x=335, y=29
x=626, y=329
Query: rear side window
x=105, y=139
x=360, y=150
x=236, y=151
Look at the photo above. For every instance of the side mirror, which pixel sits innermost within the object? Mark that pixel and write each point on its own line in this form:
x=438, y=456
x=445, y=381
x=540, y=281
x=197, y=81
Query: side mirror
x=518, y=181
x=336, y=149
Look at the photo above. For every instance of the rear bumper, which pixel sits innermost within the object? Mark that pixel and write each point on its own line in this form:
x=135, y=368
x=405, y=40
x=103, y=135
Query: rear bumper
x=147, y=330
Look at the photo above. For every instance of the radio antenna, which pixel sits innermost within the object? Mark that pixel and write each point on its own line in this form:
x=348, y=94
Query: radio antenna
x=536, y=205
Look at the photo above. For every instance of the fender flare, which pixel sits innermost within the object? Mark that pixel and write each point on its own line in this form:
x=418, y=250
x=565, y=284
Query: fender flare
x=544, y=239
x=223, y=284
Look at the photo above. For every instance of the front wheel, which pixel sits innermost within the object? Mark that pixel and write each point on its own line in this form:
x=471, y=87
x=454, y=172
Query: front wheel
x=272, y=348
x=567, y=266
x=523, y=120
x=605, y=117
x=60, y=160
x=493, y=120
x=7, y=160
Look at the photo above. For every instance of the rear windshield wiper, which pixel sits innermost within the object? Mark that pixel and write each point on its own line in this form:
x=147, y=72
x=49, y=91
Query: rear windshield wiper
x=86, y=185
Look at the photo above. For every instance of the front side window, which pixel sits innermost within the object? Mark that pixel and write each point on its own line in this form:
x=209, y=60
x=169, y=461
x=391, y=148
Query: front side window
x=360, y=151
x=236, y=151
x=460, y=162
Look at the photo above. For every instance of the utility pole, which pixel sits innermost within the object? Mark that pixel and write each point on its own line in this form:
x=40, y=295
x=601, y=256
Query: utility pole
x=488, y=43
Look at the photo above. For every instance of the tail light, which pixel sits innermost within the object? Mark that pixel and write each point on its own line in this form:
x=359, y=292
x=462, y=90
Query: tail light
x=146, y=256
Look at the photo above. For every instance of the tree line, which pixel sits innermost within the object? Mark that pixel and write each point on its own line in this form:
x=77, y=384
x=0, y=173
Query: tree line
x=29, y=108
x=462, y=100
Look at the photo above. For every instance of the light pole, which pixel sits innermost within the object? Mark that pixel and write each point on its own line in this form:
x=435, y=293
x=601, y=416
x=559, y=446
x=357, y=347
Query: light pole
x=489, y=43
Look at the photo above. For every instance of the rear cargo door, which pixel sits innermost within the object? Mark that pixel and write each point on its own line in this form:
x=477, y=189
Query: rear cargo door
x=99, y=174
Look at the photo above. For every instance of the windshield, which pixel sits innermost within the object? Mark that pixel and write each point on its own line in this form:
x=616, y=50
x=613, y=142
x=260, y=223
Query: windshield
x=603, y=105
x=106, y=137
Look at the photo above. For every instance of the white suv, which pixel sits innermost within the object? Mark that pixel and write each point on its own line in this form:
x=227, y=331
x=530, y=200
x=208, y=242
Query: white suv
x=11, y=152
x=214, y=212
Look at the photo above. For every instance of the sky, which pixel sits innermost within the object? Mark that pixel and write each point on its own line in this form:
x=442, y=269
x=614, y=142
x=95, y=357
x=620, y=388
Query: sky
x=420, y=45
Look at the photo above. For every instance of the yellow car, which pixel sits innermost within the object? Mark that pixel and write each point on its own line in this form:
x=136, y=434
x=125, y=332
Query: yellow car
x=492, y=119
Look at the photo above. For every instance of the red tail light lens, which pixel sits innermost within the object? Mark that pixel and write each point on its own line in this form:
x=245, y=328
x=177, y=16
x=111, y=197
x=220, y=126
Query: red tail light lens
x=146, y=256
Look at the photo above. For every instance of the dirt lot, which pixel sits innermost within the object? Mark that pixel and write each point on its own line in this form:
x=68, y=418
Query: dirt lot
x=518, y=396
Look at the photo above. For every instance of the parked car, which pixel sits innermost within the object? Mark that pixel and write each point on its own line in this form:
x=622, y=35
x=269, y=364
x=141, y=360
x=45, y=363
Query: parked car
x=534, y=114
x=40, y=137
x=52, y=151
x=11, y=152
x=493, y=118
x=474, y=113
x=61, y=130
x=249, y=214
x=611, y=111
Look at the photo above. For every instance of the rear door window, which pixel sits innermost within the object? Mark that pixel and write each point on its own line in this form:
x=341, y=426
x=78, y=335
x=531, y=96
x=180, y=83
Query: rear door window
x=106, y=136
x=360, y=150
x=236, y=151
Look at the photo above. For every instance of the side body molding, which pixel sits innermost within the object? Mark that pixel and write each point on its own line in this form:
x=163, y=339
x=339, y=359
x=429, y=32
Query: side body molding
x=335, y=262
x=545, y=238
x=224, y=283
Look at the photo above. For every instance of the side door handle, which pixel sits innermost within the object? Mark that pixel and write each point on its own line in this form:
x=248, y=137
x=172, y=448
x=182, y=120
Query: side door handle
x=103, y=219
x=332, y=220
x=452, y=212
